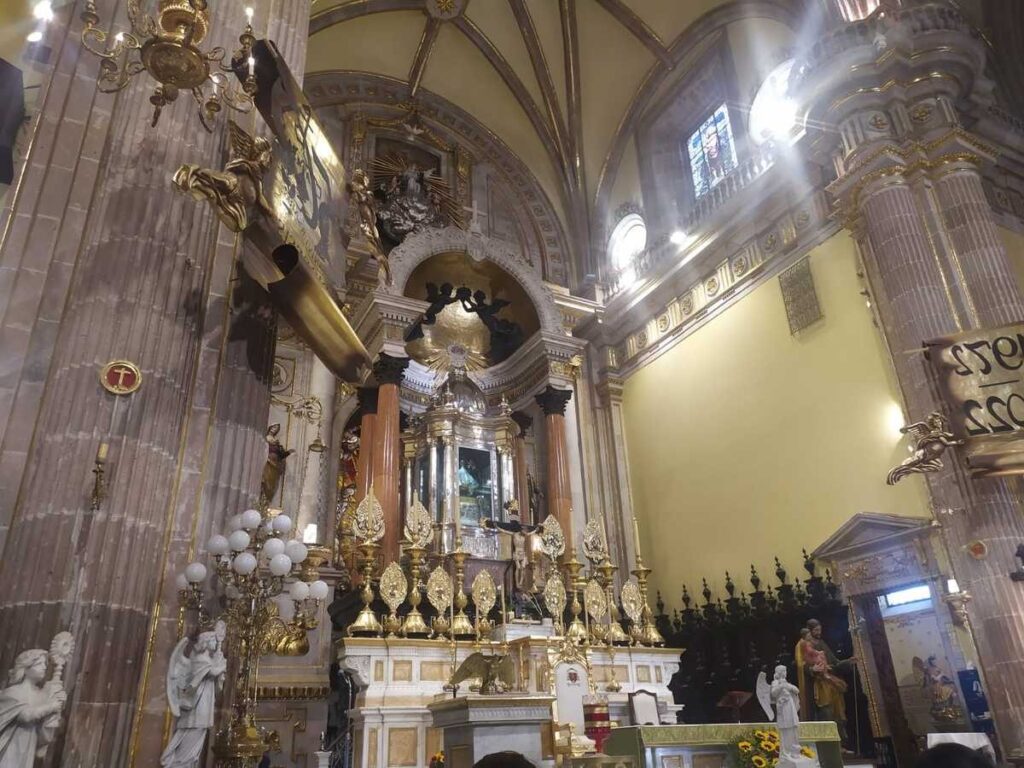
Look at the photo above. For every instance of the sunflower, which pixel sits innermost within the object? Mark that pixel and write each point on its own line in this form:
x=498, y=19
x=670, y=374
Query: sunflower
x=760, y=734
x=806, y=752
x=745, y=746
x=767, y=746
x=775, y=762
x=759, y=762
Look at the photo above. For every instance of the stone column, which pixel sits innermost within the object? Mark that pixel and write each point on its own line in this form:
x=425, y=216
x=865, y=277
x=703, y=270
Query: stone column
x=521, y=466
x=315, y=494
x=559, y=492
x=909, y=186
x=367, y=427
x=387, y=450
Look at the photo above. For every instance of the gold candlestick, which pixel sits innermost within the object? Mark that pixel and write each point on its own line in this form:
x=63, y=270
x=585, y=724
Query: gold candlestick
x=366, y=622
x=414, y=625
x=461, y=626
x=646, y=633
x=616, y=634
x=576, y=632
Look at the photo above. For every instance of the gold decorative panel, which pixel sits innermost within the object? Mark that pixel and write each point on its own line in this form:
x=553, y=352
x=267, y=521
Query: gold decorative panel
x=403, y=744
x=643, y=673
x=401, y=671
x=378, y=671
x=800, y=296
x=371, y=748
x=657, y=675
x=431, y=744
x=434, y=671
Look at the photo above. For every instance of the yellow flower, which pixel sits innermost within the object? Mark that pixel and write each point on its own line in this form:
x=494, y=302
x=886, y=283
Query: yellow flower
x=775, y=761
x=806, y=752
x=759, y=762
x=745, y=746
x=767, y=746
x=760, y=734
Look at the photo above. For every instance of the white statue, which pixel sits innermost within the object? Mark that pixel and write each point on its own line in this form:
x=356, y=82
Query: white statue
x=192, y=685
x=30, y=705
x=786, y=700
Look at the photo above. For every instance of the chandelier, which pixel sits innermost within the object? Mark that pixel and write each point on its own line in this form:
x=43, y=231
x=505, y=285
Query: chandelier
x=168, y=49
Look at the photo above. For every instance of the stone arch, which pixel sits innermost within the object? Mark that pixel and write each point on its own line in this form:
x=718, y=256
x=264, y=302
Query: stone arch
x=421, y=245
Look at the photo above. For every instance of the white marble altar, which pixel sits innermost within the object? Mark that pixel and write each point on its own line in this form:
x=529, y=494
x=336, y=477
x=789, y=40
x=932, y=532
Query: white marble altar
x=474, y=726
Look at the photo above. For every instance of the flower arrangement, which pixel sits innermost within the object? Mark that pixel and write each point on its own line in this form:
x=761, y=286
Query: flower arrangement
x=758, y=749
x=437, y=760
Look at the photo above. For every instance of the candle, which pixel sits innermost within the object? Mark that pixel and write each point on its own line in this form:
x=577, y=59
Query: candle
x=101, y=453
x=501, y=601
x=636, y=537
x=309, y=534
x=248, y=13
x=252, y=66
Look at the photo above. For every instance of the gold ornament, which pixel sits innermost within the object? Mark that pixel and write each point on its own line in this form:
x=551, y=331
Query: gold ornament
x=393, y=588
x=440, y=590
x=368, y=525
x=484, y=596
x=419, y=527
x=595, y=544
x=554, y=599
x=632, y=602
x=595, y=601
x=552, y=540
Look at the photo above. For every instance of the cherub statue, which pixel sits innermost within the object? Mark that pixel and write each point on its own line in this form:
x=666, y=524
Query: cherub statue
x=192, y=685
x=236, y=192
x=277, y=456
x=30, y=705
x=497, y=673
x=361, y=195
x=785, y=697
x=932, y=439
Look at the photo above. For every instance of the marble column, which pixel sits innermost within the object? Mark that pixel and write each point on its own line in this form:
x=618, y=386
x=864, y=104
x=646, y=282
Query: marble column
x=552, y=403
x=909, y=186
x=387, y=450
x=315, y=494
x=521, y=466
x=367, y=427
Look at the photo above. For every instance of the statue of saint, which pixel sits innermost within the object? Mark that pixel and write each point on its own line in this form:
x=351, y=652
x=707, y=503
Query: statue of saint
x=518, y=533
x=467, y=482
x=945, y=705
x=273, y=470
x=784, y=697
x=30, y=705
x=192, y=685
x=822, y=693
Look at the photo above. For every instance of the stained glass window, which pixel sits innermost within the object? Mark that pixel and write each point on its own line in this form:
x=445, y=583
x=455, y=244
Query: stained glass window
x=711, y=151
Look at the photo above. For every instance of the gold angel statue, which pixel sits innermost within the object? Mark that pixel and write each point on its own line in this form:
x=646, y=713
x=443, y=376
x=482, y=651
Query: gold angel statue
x=236, y=193
x=932, y=438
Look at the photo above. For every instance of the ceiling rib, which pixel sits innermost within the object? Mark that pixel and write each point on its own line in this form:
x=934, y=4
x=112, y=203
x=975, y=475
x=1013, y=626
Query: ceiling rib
x=423, y=51
x=347, y=11
x=638, y=28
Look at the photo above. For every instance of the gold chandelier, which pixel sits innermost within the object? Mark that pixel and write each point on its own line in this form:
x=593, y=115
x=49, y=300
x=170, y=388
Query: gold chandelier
x=168, y=49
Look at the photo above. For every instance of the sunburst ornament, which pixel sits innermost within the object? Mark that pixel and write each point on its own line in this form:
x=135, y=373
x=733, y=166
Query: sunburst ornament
x=445, y=10
x=419, y=526
x=368, y=522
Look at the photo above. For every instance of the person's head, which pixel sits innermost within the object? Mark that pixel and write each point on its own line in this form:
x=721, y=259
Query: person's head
x=503, y=760
x=805, y=633
x=952, y=756
x=780, y=672
x=815, y=627
x=29, y=665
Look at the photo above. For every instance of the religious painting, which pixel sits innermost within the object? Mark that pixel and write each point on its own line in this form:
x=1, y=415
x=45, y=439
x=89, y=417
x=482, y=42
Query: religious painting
x=711, y=151
x=473, y=475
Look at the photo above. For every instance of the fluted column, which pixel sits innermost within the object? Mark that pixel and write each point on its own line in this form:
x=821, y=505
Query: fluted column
x=910, y=188
x=315, y=494
x=552, y=403
x=521, y=466
x=387, y=450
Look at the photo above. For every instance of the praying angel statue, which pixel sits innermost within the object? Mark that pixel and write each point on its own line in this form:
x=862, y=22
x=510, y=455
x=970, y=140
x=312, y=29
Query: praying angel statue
x=785, y=697
x=31, y=704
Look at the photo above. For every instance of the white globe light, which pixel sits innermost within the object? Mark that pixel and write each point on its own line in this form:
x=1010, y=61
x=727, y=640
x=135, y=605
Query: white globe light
x=251, y=519
x=195, y=572
x=280, y=564
x=296, y=550
x=181, y=581
x=244, y=563
x=234, y=522
x=273, y=547
x=282, y=523
x=238, y=540
x=299, y=590
x=217, y=545
x=319, y=589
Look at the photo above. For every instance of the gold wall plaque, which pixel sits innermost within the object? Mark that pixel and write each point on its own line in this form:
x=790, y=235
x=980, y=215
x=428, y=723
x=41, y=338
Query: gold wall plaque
x=632, y=602
x=484, y=593
x=393, y=586
x=120, y=377
x=981, y=375
x=439, y=590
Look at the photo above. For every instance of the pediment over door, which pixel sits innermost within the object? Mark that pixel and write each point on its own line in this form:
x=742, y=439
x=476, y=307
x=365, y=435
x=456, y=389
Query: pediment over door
x=870, y=531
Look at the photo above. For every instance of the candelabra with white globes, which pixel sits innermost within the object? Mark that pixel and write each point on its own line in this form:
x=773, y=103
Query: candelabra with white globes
x=257, y=565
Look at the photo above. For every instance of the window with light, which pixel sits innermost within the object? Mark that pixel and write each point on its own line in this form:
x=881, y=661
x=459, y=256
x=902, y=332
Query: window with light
x=773, y=111
x=628, y=239
x=711, y=152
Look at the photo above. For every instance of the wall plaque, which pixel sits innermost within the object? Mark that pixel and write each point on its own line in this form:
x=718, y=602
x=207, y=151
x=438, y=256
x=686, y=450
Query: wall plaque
x=981, y=374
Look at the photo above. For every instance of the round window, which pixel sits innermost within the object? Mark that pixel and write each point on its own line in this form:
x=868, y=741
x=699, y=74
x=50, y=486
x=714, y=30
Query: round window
x=628, y=239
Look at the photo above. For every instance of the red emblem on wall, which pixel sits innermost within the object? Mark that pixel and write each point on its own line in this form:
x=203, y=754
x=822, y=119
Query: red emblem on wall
x=120, y=377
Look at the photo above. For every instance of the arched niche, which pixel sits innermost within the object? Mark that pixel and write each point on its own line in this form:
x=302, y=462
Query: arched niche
x=420, y=246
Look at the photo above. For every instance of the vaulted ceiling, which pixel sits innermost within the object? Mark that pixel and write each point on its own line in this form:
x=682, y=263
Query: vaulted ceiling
x=558, y=81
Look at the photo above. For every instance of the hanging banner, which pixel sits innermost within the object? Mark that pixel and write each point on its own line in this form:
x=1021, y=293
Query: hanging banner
x=981, y=374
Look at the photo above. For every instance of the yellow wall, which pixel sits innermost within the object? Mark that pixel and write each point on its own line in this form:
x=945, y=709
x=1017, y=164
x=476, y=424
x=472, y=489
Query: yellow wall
x=1014, y=244
x=745, y=442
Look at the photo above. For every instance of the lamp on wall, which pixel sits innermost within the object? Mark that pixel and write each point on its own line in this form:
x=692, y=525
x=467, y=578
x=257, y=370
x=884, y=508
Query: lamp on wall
x=168, y=49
